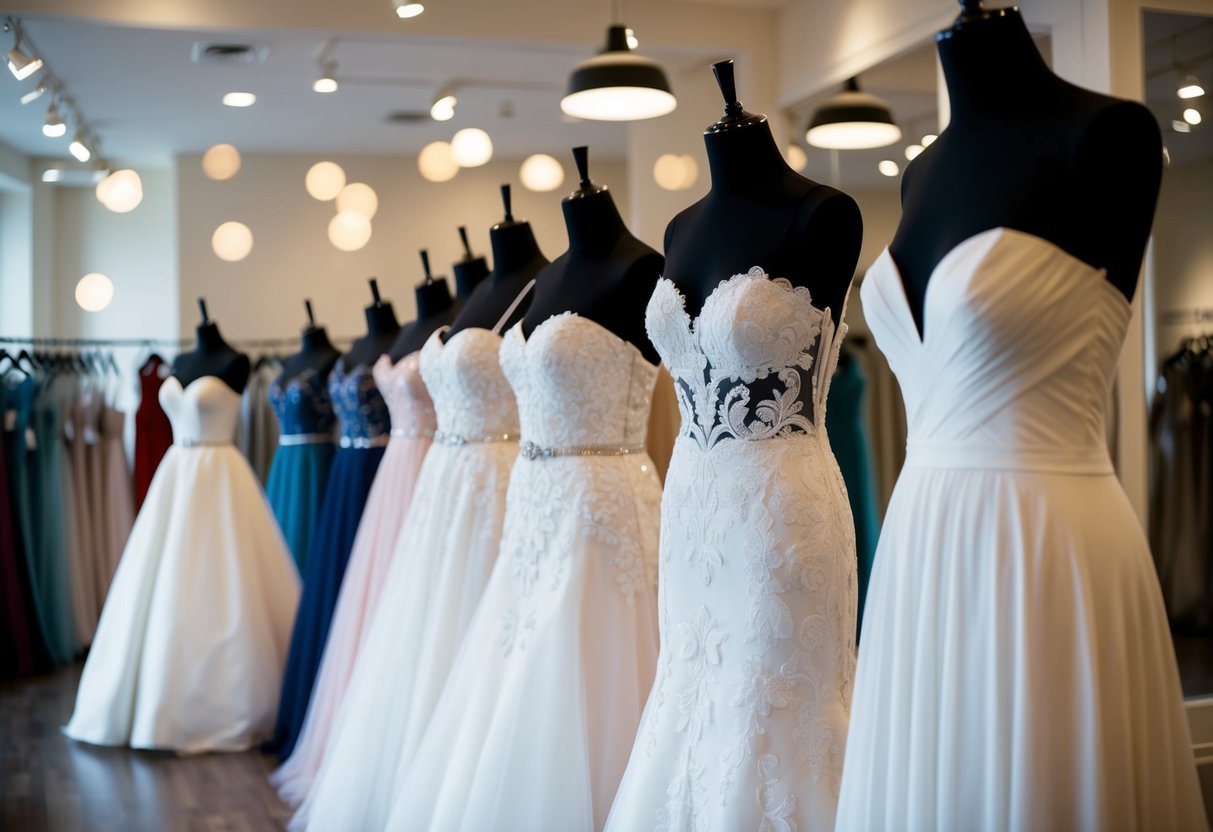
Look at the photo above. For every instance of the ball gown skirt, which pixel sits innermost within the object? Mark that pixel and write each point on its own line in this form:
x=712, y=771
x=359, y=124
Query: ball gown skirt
x=534, y=725
x=345, y=497
x=412, y=412
x=189, y=650
x=295, y=488
x=1016, y=670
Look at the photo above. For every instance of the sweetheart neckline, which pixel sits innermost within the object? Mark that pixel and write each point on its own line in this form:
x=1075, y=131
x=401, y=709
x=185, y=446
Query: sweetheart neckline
x=920, y=338
x=186, y=387
x=755, y=272
x=442, y=345
x=570, y=314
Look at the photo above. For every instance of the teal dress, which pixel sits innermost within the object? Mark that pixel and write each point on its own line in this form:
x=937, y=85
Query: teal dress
x=849, y=441
x=49, y=508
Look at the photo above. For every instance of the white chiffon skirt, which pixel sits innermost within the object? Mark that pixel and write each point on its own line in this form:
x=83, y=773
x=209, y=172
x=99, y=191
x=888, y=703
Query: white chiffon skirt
x=189, y=651
x=443, y=558
x=1016, y=671
x=536, y=722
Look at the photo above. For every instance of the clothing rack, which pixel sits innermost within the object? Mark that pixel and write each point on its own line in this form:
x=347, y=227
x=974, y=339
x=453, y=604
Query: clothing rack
x=1187, y=316
x=168, y=343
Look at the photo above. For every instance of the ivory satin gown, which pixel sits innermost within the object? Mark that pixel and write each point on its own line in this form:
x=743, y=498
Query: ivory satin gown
x=1016, y=670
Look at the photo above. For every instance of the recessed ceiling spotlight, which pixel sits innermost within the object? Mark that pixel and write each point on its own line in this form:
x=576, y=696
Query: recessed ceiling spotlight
x=406, y=9
x=54, y=126
x=79, y=149
x=239, y=99
x=888, y=167
x=327, y=82
x=443, y=106
x=1189, y=87
x=34, y=94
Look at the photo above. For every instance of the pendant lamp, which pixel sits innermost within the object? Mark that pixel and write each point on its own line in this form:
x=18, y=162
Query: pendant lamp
x=618, y=85
x=853, y=120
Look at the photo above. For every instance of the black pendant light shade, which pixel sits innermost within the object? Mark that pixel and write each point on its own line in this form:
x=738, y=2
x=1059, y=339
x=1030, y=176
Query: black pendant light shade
x=853, y=120
x=618, y=85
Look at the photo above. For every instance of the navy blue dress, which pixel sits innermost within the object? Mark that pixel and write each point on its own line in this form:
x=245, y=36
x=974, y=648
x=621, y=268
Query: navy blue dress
x=365, y=429
x=301, y=465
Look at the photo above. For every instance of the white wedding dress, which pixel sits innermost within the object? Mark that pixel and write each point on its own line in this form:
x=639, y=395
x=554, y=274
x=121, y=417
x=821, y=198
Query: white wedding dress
x=443, y=556
x=1016, y=671
x=535, y=723
x=746, y=724
x=189, y=651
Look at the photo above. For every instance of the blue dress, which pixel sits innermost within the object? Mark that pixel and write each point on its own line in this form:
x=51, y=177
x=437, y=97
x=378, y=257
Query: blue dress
x=849, y=441
x=300, y=468
x=365, y=429
x=51, y=498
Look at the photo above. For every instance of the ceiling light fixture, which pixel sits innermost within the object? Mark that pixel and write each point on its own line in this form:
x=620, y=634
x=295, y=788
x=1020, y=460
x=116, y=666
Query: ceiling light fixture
x=926, y=140
x=34, y=94
x=1192, y=116
x=1189, y=87
x=472, y=147
x=888, y=167
x=79, y=147
x=853, y=120
x=436, y=162
x=796, y=158
x=541, y=173
x=327, y=82
x=54, y=126
x=618, y=85
x=405, y=9
x=912, y=151
x=443, y=106
x=52, y=174
x=1180, y=126
x=21, y=64
x=239, y=99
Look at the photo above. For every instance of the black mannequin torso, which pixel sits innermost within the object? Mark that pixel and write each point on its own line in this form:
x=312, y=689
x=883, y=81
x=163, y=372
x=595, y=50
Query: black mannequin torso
x=212, y=356
x=1029, y=151
x=606, y=275
x=469, y=271
x=760, y=212
x=517, y=260
x=435, y=308
x=316, y=353
x=381, y=330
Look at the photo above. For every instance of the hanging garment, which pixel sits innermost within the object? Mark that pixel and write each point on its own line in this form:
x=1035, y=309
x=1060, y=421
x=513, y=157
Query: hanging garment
x=1016, y=670
x=189, y=651
x=22, y=650
x=80, y=431
x=559, y=658
x=98, y=508
x=746, y=722
x=846, y=425
x=412, y=415
x=257, y=437
x=153, y=431
x=365, y=429
x=70, y=515
x=116, y=490
x=303, y=458
x=442, y=560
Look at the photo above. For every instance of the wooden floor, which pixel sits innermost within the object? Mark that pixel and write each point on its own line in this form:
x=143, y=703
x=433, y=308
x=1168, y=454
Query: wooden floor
x=49, y=783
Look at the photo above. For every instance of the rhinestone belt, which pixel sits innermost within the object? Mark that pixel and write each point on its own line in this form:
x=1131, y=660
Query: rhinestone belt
x=305, y=439
x=443, y=438
x=363, y=442
x=412, y=433
x=200, y=443
x=529, y=450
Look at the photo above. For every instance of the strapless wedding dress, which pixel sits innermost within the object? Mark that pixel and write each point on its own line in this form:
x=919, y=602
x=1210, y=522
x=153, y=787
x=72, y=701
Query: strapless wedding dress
x=1016, y=670
x=747, y=720
x=534, y=725
x=189, y=651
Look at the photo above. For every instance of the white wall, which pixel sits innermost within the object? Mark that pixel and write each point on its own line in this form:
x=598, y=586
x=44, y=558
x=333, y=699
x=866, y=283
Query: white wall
x=292, y=258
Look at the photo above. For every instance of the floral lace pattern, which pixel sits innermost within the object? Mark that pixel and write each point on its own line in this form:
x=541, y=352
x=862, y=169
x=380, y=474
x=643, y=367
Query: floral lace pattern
x=463, y=376
x=747, y=719
x=361, y=411
x=302, y=404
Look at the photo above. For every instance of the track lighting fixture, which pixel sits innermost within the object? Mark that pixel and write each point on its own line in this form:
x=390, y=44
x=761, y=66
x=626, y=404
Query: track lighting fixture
x=327, y=82
x=1189, y=87
x=406, y=9
x=617, y=84
x=443, y=106
x=79, y=148
x=1192, y=116
x=54, y=126
x=21, y=64
x=34, y=94
x=853, y=120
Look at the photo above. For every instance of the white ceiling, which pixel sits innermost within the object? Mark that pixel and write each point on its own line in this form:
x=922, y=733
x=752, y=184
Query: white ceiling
x=140, y=91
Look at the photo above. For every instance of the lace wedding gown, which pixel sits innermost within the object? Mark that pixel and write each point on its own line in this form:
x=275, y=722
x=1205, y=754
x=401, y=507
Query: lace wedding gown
x=189, y=651
x=535, y=723
x=747, y=720
x=443, y=555
x=1017, y=671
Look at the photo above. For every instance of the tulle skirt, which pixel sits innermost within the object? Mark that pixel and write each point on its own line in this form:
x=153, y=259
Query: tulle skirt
x=345, y=497
x=188, y=653
x=1016, y=670
x=536, y=721
x=360, y=591
x=295, y=488
x=442, y=560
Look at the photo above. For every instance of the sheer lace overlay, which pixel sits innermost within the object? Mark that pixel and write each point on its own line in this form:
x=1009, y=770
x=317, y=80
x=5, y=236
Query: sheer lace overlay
x=746, y=723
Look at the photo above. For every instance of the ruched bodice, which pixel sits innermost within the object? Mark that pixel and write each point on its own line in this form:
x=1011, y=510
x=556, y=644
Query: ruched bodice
x=408, y=402
x=1017, y=360
x=578, y=384
x=302, y=404
x=204, y=412
x=362, y=413
x=472, y=398
x=755, y=364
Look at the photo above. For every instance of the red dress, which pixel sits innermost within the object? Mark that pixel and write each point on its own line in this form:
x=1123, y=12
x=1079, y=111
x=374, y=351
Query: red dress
x=153, y=433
